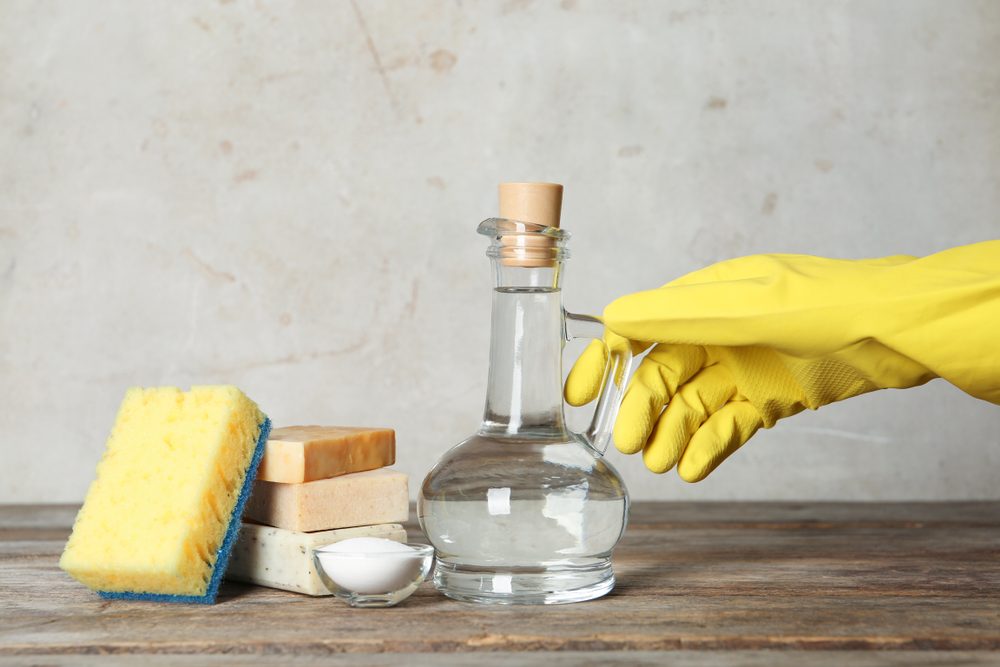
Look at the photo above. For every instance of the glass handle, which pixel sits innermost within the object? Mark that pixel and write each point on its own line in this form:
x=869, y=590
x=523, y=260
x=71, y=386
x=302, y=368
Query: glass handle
x=616, y=372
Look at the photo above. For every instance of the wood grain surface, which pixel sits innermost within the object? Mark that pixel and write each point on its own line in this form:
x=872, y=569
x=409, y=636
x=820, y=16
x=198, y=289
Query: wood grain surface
x=711, y=583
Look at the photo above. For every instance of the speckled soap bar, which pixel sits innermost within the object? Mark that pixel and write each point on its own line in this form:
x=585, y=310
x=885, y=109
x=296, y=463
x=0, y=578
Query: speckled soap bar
x=279, y=558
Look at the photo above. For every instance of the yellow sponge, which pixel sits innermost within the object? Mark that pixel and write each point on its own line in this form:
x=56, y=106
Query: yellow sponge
x=160, y=519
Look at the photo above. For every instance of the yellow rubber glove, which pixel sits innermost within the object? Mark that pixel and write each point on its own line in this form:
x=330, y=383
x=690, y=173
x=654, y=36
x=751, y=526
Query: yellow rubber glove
x=743, y=343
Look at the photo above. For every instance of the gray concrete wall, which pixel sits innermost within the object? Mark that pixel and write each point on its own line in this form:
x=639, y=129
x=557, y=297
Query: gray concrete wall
x=284, y=195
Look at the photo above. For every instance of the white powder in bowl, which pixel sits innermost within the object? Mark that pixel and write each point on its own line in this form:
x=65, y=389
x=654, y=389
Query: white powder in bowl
x=370, y=565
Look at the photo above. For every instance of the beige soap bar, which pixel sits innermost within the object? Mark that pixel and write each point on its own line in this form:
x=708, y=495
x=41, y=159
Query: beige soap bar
x=358, y=499
x=283, y=559
x=306, y=453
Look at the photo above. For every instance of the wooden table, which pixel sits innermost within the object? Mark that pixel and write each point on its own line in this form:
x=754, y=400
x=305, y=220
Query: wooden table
x=709, y=583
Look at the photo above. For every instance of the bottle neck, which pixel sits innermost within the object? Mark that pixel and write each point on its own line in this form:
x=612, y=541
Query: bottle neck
x=524, y=394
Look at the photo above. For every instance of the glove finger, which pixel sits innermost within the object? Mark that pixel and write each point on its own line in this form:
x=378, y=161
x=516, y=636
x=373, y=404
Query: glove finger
x=721, y=435
x=583, y=383
x=584, y=380
x=655, y=381
x=676, y=364
x=692, y=405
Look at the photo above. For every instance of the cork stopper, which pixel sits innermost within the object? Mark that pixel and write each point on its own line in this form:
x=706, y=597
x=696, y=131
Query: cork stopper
x=540, y=203
x=536, y=203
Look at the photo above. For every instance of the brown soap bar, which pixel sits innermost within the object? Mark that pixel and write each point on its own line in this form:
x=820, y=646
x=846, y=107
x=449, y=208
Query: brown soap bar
x=358, y=499
x=306, y=453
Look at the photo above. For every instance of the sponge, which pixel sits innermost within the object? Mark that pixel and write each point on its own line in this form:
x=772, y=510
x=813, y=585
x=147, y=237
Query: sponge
x=159, y=521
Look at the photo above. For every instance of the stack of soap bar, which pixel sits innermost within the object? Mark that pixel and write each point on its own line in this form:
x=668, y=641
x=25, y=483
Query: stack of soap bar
x=314, y=483
x=159, y=521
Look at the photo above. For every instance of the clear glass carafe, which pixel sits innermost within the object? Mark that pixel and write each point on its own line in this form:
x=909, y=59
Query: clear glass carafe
x=525, y=511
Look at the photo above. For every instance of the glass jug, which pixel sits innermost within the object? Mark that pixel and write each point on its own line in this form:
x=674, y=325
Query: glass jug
x=525, y=511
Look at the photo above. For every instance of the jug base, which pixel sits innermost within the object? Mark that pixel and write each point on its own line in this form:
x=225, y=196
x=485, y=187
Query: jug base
x=524, y=585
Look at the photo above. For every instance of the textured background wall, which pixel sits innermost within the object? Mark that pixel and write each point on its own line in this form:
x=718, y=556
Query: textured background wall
x=284, y=195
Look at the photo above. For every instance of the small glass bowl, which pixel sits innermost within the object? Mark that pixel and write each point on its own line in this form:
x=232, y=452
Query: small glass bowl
x=374, y=579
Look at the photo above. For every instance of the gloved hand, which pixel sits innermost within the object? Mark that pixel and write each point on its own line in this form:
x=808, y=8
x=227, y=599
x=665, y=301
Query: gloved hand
x=746, y=342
